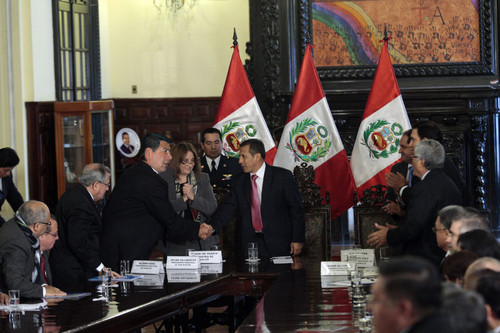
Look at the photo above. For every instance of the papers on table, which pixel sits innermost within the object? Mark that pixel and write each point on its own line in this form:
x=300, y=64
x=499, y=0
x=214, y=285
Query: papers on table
x=27, y=306
x=282, y=260
x=72, y=296
x=125, y=278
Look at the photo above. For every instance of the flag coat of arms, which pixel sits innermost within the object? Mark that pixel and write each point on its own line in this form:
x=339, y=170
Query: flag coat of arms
x=384, y=121
x=239, y=117
x=310, y=135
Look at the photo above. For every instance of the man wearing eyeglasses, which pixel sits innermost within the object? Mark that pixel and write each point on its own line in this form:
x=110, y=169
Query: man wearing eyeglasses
x=47, y=241
x=20, y=251
x=75, y=257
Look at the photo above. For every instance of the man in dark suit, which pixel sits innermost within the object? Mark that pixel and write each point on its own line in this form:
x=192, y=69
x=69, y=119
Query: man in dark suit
x=407, y=298
x=430, y=130
x=76, y=257
x=220, y=168
x=126, y=147
x=47, y=241
x=269, y=202
x=139, y=211
x=396, y=204
x=434, y=191
x=20, y=251
x=8, y=191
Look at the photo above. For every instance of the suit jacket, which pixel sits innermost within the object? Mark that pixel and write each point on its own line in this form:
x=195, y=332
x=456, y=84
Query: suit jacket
x=11, y=194
x=228, y=168
x=76, y=255
x=436, y=322
x=282, y=212
x=402, y=168
x=204, y=202
x=127, y=150
x=431, y=194
x=137, y=215
x=17, y=261
x=452, y=172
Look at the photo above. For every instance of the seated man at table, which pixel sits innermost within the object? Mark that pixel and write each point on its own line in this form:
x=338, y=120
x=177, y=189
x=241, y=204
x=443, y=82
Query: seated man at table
x=4, y=299
x=139, y=212
x=8, y=191
x=472, y=220
x=76, y=257
x=47, y=241
x=407, y=297
x=434, y=191
x=268, y=199
x=20, y=251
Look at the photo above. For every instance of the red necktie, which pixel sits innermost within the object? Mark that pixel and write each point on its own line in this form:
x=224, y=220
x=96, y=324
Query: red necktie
x=256, y=217
x=43, y=268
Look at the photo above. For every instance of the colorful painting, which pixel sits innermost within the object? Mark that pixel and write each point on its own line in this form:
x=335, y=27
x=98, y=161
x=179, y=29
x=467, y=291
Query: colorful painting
x=349, y=33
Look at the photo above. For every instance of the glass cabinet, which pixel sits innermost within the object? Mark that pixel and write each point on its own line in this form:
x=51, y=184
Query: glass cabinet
x=84, y=134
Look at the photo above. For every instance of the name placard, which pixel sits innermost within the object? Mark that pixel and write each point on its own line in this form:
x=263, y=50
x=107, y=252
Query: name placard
x=147, y=267
x=369, y=272
x=329, y=281
x=151, y=281
x=183, y=262
x=207, y=257
x=364, y=257
x=282, y=260
x=337, y=267
x=211, y=268
x=183, y=276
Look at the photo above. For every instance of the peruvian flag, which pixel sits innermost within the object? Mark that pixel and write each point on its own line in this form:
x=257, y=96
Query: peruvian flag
x=384, y=121
x=310, y=135
x=239, y=117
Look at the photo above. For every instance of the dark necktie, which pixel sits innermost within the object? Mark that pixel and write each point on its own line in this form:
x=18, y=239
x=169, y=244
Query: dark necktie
x=256, y=217
x=410, y=175
x=214, y=169
x=42, y=259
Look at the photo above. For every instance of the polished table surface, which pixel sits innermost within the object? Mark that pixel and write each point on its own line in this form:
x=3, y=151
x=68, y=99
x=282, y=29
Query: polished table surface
x=294, y=301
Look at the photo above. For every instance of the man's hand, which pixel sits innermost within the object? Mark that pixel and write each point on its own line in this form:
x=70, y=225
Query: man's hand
x=206, y=231
x=392, y=208
x=395, y=181
x=53, y=291
x=115, y=275
x=4, y=299
x=295, y=248
x=379, y=238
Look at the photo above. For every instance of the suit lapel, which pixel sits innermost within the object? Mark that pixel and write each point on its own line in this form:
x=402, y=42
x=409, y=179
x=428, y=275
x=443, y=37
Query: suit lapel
x=266, y=189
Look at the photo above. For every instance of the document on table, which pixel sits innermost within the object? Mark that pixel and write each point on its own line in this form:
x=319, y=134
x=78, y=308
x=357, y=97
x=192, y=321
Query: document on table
x=73, y=296
x=27, y=306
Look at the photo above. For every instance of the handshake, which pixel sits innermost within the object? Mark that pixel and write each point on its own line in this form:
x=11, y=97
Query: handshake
x=206, y=231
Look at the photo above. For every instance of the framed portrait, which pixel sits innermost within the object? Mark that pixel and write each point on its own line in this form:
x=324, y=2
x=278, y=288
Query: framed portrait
x=127, y=142
x=426, y=37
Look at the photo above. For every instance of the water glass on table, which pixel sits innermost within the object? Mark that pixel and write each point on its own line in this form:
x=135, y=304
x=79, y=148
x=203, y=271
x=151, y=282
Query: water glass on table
x=14, y=299
x=124, y=267
x=253, y=251
x=106, y=276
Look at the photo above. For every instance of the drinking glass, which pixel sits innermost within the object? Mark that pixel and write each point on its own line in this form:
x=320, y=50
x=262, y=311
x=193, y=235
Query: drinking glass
x=124, y=267
x=14, y=298
x=106, y=276
x=253, y=251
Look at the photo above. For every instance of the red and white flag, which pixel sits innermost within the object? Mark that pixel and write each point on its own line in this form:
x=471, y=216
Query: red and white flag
x=310, y=135
x=384, y=121
x=239, y=117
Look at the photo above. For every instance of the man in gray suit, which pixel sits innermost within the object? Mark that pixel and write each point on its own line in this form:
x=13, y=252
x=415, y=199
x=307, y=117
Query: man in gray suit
x=20, y=251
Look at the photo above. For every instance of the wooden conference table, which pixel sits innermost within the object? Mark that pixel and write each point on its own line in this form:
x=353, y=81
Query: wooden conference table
x=294, y=301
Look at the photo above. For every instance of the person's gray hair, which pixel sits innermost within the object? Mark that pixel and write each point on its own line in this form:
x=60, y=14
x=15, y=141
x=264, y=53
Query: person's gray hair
x=432, y=152
x=466, y=310
x=451, y=213
x=33, y=211
x=94, y=172
x=469, y=223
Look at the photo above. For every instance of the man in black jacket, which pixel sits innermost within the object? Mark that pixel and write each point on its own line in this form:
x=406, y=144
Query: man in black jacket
x=139, y=211
x=434, y=191
x=8, y=191
x=76, y=257
x=407, y=298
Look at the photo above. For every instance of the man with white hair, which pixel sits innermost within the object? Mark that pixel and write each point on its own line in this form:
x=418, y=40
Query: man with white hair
x=471, y=221
x=434, y=191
